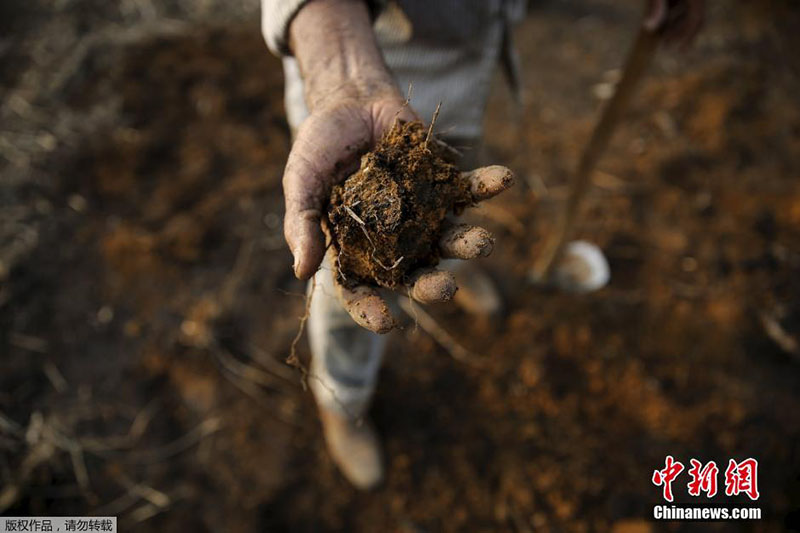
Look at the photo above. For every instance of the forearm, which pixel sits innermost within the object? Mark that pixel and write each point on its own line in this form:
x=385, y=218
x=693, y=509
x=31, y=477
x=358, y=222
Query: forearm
x=335, y=47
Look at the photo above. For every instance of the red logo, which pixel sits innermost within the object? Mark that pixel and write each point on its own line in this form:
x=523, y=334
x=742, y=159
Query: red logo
x=667, y=476
x=703, y=479
x=740, y=478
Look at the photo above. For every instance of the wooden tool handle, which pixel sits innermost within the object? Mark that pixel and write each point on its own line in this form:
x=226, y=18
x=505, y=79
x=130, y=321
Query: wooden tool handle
x=635, y=65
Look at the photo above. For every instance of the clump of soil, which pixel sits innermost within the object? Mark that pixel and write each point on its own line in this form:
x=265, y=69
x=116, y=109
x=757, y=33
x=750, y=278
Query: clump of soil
x=386, y=219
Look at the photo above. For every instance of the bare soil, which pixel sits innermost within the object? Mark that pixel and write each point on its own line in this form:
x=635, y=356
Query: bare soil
x=147, y=301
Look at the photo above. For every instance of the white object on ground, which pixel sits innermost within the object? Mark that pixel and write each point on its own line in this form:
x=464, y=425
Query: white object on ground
x=582, y=268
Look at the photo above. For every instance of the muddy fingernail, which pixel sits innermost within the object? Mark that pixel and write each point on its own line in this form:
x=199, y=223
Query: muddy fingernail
x=488, y=181
x=465, y=241
x=433, y=287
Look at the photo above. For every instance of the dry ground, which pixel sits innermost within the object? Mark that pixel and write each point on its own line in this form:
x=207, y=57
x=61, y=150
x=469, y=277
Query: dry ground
x=147, y=304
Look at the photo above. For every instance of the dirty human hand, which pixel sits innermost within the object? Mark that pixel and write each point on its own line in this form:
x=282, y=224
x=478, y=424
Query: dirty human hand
x=678, y=21
x=353, y=100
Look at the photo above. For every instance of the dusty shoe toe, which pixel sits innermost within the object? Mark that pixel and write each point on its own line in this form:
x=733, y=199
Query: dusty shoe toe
x=354, y=448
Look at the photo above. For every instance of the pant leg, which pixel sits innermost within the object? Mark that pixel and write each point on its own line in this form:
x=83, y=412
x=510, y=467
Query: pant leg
x=345, y=358
x=293, y=94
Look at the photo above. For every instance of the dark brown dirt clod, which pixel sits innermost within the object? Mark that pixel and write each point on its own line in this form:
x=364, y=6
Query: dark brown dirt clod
x=386, y=219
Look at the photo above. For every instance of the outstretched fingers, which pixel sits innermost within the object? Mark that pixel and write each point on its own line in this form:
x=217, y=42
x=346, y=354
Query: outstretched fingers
x=486, y=182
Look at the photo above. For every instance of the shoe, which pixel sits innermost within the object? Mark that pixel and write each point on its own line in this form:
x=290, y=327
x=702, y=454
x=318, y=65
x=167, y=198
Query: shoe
x=354, y=447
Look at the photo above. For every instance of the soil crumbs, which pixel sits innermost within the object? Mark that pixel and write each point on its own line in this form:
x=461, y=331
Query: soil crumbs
x=387, y=217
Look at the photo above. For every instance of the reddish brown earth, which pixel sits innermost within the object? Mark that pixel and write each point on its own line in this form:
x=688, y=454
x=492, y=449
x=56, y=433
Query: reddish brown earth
x=147, y=326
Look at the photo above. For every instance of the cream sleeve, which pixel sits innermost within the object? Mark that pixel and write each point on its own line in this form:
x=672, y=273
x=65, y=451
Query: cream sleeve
x=276, y=15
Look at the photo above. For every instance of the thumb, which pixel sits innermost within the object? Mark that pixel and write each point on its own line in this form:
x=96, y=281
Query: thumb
x=325, y=147
x=301, y=226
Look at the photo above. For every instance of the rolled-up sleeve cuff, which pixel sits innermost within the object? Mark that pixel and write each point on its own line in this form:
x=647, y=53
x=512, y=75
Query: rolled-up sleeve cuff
x=276, y=15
